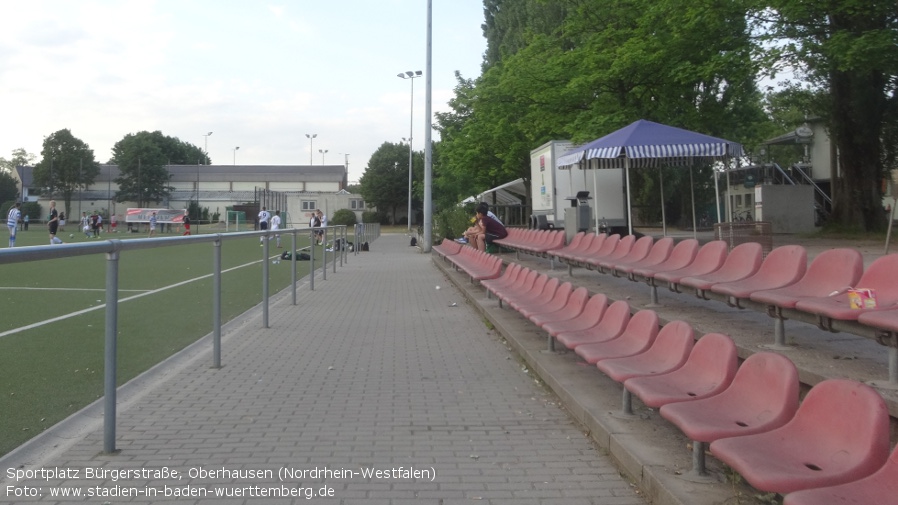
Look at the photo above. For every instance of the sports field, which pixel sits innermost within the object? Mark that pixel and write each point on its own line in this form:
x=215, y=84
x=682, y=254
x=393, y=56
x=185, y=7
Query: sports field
x=52, y=325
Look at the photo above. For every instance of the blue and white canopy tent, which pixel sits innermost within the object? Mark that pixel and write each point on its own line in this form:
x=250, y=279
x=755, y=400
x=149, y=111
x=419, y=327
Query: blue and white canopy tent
x=648, y=144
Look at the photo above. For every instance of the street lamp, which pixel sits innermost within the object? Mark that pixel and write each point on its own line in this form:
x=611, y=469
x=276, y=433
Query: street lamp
x=206, y=146
x=323, y=152
x=235, y=154
x=411, y=76
x=310, y=136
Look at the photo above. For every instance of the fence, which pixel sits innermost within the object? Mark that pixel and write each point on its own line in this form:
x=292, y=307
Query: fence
x=113, y=249
x=739, y=233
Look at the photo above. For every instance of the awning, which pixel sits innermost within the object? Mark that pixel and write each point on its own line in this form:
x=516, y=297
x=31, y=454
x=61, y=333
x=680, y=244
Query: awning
x=510, y=193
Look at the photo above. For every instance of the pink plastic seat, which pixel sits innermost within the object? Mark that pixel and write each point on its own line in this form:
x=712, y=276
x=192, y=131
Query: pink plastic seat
x=743, y=261
x=509, y=276
x=763, y=396
x=535, y=297
x=783, y=266
x=605, y=248
x=669, y=351
x=659, y=253
x=589, y=317
x=709, y=259
x=839, y=434
x=447, y=248
x=832, y=270
x=612, y=324
x=574, y=245
x=557, y=301
x=626, y=248
x=881, y=488
x=533, y=285
x=881, y=276
x=576, y=302
x=621, y=248
x=708, y=371
x=886, y=320
x=681, y=256
x=589, y=242
x=638, y=336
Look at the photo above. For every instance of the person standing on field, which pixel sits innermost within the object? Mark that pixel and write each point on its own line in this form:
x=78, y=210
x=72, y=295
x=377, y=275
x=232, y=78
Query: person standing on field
x=152, y=225
x=275, y=225
x=53, y=223
x=12, y=222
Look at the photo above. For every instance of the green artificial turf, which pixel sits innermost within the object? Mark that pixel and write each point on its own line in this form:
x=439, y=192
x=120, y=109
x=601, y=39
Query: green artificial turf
x=52, y=370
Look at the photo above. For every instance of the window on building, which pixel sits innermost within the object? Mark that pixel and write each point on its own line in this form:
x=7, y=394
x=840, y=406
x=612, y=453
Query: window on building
x=748, y=200
x=309, y=204
x=357, y=204
x=738, y=200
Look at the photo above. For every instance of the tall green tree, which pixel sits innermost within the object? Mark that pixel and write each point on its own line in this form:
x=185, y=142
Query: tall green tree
x=67, y=165
x=143, y=158
x=849, y=51
x=591, y=68
x=385, y=181
x=9, y=188
x=20, y=157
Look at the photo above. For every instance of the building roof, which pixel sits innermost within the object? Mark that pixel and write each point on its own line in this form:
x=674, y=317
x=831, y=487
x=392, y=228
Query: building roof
x=219, y=173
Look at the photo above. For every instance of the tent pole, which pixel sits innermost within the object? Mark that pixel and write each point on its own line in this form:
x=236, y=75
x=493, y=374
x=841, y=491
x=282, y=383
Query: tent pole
x=595, y=192
x=629, y=206
x=717, y=189
x=692, y=192
x=729, y=210
x=663, y=215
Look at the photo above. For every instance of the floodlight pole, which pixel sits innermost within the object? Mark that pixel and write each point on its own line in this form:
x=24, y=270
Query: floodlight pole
x=428, y=123
x=411, y=76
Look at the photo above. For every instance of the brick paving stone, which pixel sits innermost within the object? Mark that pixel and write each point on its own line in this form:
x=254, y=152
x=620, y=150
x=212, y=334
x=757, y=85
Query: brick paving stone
x=374, y=370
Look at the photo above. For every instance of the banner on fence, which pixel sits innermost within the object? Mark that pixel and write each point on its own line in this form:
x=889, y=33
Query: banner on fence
x=162, y=215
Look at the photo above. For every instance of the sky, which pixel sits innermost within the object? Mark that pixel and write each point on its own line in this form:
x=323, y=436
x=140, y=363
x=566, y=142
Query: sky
x=259, y=75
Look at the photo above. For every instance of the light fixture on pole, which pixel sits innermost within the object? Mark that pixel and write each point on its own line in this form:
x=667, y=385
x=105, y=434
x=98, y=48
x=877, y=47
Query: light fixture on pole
x=206, y=146
x=235, y=154
x=411, y=76
x=310, y=136
x=323, y=152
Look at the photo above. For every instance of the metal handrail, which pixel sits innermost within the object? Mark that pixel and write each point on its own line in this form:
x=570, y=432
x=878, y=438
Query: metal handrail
x=113, y=248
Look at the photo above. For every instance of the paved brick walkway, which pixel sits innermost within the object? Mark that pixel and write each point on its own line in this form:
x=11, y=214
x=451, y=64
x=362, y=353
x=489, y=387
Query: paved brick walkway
x=375, y=370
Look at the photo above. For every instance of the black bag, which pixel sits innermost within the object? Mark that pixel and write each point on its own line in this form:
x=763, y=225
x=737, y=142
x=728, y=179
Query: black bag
x=365, y=246
x=414, y=242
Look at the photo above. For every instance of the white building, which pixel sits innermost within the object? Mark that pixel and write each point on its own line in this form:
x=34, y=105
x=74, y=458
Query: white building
x=217, y=187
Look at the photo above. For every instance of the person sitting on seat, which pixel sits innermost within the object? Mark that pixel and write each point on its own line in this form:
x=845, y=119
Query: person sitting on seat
x=489, y=229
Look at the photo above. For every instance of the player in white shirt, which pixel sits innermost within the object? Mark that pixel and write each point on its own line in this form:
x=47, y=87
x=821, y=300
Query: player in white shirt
x=12, y=222
x=276, y=225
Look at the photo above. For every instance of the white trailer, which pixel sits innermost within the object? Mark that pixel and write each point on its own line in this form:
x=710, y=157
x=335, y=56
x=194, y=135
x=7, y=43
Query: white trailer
x=553, y=189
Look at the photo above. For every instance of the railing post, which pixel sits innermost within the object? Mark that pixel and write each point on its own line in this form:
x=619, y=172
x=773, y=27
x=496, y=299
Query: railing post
x=334, y=248
x=293, y=265
x=216, y=303
x=312, y=262
x=324, y=255
x=265, y=269
x=111, y=344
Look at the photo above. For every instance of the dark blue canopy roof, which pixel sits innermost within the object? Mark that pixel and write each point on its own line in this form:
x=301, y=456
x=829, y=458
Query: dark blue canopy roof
x=647, y=143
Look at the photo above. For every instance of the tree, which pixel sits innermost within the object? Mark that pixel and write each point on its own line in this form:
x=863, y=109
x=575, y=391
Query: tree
x=385, y=181
x=590, y=67
x=67, y=165
x=9, y=188
x=142, y=159
x=849, y=51
x=20, y=157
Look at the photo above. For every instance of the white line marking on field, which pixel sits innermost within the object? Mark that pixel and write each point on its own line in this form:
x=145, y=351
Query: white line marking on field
x=14, y=288
x=98, y=307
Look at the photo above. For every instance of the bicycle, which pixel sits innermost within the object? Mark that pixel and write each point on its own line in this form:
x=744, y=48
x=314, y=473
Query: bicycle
x=743, y=216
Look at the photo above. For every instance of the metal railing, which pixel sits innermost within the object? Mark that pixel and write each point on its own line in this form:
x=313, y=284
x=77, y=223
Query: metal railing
x=113, y=250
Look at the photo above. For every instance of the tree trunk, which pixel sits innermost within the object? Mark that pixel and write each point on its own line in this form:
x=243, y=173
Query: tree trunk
x=858, y=105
